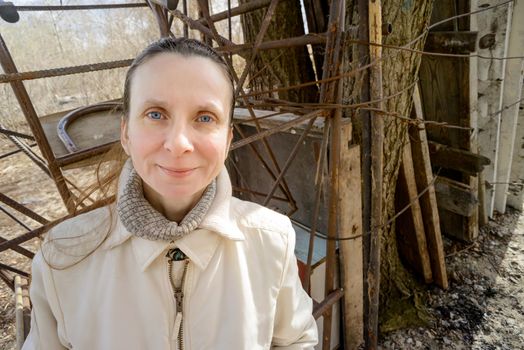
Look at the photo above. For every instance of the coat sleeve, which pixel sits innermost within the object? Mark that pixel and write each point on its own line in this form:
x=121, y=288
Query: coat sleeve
x=295, y=328
x=44, y=330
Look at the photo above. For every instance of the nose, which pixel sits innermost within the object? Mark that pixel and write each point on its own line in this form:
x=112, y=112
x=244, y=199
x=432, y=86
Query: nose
x=178, y=140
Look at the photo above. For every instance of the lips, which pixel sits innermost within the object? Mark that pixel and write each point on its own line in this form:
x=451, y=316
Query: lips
x=177, y=172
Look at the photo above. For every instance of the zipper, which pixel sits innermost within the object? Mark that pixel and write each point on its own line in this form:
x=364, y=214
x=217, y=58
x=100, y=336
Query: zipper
x=178, y=293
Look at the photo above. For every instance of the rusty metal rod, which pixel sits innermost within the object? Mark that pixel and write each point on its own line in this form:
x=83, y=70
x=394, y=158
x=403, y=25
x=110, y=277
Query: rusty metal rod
x=8, y=154
x=326, y=304
x=15, y=133
x=23, y=210
x=289, y=160
x=20, y=250
x=15, y=270
x=282, y=127
x=260, y=194
x=239, y=10
x=258, y=40
x=42, y=229
x=239, y=92
x=56, y=72
x=14, y=218
x=7, y=280
x=75, y=7
x=311, y=38
x=319, y=178
x=30, y=154
x=331, y=68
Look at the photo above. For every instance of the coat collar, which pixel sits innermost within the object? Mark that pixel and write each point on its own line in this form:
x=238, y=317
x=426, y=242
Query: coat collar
x=200, y=245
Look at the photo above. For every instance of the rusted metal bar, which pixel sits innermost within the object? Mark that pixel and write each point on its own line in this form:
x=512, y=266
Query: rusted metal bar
x=260, y=194
x=239, y=92
x=20, y=250
x=76, y=7
x=10, y=77
x=11, y=244
x=14, y=218
x=29, y=153
x=377, y=144
x=20, y=208
x=199, y=26
x=239, y=10
x=8, y=154
x=15, y=133
x=327, y=303
x=289, y=160
x=331, y=68
x=319, y=178
x=258, y=40
x=311, y=38
x=7, y=280
x=279, y=128
x=15, y=270
x=184, y=11
x=263, y=161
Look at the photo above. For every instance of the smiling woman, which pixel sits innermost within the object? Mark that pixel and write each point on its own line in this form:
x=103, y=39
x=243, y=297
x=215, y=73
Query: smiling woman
x=176, y=262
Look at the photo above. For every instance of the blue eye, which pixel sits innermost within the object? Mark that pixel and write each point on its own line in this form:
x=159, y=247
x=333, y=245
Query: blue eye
x=204, y=118
x=155, y=115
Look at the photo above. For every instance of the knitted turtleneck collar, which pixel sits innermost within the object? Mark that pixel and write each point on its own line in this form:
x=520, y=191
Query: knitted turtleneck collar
x=142, y=220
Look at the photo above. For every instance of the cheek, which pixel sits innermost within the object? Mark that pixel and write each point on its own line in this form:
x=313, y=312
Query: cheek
x=139, y=142
x=214, y=148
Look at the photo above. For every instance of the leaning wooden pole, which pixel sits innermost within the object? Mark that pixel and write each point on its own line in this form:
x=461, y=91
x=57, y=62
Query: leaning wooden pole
x=377, y=143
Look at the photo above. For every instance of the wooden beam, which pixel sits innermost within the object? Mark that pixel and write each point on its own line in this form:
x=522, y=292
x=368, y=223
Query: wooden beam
x=456, y=196
x=428, y=201
x=351, y=250
x=410, y=225
x=456, y=159
x=451, y=42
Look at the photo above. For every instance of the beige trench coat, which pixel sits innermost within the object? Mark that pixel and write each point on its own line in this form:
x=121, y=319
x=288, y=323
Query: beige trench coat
x=242, y=289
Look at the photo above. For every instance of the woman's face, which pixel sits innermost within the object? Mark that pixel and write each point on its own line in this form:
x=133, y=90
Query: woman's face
x=177, y=132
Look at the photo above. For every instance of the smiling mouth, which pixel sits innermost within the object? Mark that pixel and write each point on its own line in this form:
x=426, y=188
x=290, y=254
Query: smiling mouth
x=177, y=172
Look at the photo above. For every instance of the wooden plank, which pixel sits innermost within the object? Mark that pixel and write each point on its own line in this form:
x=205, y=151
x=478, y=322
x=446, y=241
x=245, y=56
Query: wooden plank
x=512, y=93
x=410, y=226
x=456, y=159
x=456, y=196
x=428, y=201
x=351, y=250
x=451, y=42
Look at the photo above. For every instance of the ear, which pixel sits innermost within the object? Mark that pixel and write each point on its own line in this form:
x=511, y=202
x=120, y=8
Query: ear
x=124, y=139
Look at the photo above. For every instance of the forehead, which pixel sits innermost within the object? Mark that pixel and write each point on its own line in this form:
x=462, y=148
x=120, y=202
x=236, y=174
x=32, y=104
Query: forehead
x=180, y=79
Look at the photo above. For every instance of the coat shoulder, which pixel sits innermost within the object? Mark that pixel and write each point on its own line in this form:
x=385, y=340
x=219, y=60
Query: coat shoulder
x=77, y=237
x=256, y=216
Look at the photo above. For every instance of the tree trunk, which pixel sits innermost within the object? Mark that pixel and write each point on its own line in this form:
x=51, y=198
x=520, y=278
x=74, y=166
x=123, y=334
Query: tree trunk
x=399, y=292
x=282, y=67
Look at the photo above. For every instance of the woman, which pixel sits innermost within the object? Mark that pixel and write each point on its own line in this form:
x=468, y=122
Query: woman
x=177, y=262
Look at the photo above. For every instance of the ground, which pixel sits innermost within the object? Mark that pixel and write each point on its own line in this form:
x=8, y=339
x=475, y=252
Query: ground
x=482, y=309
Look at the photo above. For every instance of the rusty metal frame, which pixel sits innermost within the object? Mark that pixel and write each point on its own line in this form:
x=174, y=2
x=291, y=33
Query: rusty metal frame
x=330, y=88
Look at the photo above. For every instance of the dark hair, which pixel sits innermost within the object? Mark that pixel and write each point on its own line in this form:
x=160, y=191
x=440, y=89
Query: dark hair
x=182, y=46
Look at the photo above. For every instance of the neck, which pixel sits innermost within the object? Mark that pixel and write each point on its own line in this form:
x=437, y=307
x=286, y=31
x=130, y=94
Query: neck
x=172, y=210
